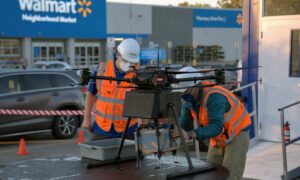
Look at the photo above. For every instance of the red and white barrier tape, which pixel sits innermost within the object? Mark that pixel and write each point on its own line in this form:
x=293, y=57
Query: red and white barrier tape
x=40, y=112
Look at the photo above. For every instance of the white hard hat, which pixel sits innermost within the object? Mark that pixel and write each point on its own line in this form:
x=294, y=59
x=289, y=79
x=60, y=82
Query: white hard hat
x=187, y=75
x=129, y=49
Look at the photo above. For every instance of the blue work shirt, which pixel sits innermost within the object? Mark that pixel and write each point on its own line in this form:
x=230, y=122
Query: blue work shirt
x=217, y=106
x=93, y=90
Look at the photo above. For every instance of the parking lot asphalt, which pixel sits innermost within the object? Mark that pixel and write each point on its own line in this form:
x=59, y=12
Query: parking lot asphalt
x=47, y=157
x=54, y=159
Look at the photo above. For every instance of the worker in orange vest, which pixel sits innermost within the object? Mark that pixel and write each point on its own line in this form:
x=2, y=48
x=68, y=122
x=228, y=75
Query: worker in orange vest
x=221, y=117
x=106, y=97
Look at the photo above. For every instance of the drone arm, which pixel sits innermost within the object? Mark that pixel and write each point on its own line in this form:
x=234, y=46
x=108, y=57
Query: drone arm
x=109, y=78
x=84, y=79
x=174, y=80
x=86, y=76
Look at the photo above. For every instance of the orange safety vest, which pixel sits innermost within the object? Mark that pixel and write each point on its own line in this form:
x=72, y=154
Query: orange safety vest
x=110, y=99
x=235, y=120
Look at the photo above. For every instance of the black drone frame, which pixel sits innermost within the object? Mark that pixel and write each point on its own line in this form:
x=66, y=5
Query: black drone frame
x=151, y=85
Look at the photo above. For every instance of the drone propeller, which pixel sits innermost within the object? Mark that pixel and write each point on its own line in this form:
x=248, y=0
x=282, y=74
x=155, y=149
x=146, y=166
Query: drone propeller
x=210, y=70
x=183, y=87
x=158, y=79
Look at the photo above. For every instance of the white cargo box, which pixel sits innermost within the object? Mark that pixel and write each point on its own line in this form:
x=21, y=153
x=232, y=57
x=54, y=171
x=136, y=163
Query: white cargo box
x=107, y=149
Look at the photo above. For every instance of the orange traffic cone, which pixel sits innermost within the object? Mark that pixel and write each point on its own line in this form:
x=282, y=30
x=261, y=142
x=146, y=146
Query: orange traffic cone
x=22, y=147
x=80, y=138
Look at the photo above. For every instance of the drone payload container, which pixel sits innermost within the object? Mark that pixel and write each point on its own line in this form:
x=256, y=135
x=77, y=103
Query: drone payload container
x=151, y=104
x=148, y=141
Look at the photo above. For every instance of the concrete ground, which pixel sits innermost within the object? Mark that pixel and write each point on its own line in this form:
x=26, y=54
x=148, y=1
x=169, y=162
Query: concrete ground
x=52, y=159
x=264, y=160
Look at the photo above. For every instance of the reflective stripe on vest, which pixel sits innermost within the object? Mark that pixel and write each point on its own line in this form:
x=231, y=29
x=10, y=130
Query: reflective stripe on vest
x=236, y=119
x=234, y=100
x=108, y=116
x=110, y=100
x=235, y=126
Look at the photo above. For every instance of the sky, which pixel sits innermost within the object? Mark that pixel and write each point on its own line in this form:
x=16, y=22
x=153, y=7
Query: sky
x=165, y=2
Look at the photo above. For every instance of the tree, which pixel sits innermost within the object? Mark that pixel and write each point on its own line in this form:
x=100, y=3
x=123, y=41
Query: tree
x=197, y=5
x=279, y=7
x=230, y=3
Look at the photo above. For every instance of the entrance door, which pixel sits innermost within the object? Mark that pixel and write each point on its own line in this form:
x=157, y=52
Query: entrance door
x=50, y=51
x=87, y=55
x=278, y=89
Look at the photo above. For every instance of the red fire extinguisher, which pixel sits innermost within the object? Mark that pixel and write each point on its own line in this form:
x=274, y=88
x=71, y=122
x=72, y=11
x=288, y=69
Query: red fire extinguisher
x=286, y=132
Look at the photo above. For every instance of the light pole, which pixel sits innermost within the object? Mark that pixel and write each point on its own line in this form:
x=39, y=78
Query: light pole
x=169, y=44
x=194, y=53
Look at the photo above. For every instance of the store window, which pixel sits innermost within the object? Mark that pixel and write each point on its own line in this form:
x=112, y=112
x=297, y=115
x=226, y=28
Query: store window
x=10, y=49
x=183, y=54
x=87, y=54
x=48, y=51
x=210, y=53
x=295, y=54
x=281, y=7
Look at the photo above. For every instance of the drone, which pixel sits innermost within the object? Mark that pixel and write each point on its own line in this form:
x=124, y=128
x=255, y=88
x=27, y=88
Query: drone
x=155, y=78
x=153, y=84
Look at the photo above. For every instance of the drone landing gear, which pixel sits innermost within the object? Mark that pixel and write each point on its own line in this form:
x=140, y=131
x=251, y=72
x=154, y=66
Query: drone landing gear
x=130, y=110
x=192, y=170
x=157, y=133
x=139, y=152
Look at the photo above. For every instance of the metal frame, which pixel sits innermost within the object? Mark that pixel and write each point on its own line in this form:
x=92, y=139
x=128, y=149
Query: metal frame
x=294, y=172
x=254, y=108
x=191, y=169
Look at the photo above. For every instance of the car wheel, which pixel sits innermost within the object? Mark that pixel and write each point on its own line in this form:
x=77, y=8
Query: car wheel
x=65, y=127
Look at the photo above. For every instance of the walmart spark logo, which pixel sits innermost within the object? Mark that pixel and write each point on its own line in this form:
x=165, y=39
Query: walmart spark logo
x=239, y=19
x=84, y=7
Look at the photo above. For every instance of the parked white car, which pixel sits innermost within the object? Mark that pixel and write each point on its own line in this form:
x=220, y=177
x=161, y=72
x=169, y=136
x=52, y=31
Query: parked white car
x=50, y=65
x=9, y=64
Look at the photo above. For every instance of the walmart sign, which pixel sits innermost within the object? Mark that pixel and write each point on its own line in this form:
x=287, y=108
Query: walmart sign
x=53, y=18
x=48, y=6
x=215, y=18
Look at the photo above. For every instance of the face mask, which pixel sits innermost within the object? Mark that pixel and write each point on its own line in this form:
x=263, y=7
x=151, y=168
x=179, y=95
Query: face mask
x=191, y=95
x=124, y=66
x=187, y=97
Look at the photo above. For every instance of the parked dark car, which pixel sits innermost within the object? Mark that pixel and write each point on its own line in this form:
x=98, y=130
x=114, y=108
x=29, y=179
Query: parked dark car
x=40, y=90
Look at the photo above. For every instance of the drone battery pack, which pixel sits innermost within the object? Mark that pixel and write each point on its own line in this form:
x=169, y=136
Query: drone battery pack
x=151, y=104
